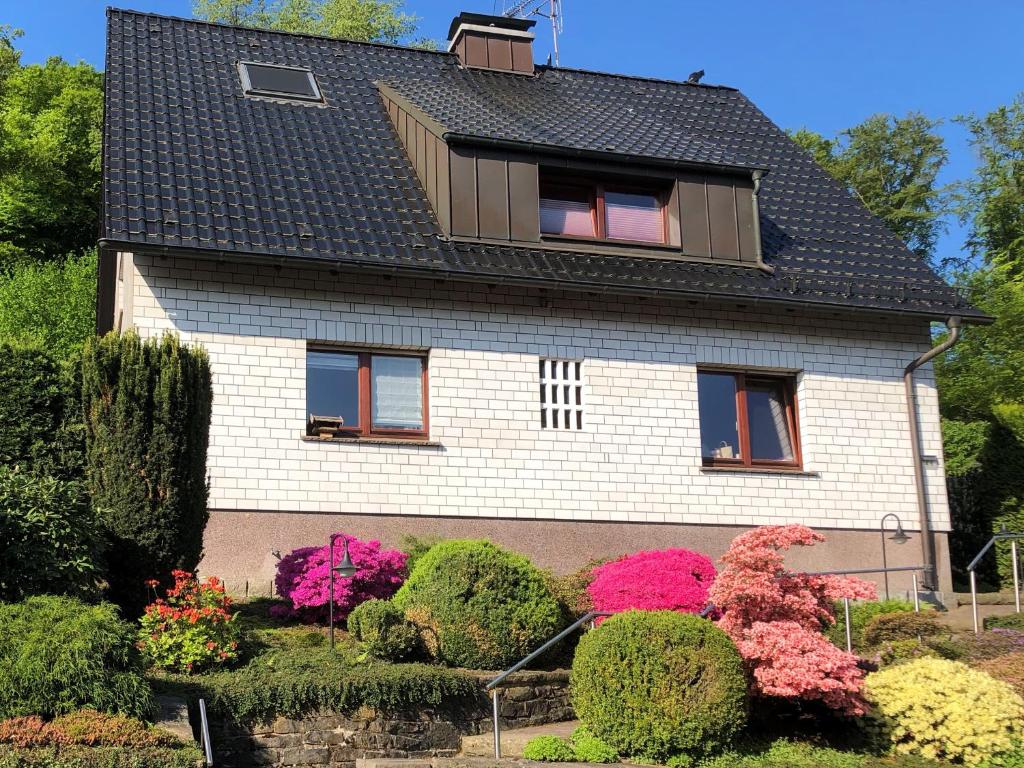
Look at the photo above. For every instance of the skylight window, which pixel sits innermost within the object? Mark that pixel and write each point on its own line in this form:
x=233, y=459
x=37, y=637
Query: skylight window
x=278, y=81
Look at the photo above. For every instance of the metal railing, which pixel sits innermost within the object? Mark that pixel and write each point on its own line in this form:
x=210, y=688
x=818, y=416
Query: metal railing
x=973, y=565
x=846, y=601
x=204, y=733
x=492, y=686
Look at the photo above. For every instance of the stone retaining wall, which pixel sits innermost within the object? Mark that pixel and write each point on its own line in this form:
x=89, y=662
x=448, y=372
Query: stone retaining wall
x=337, y=740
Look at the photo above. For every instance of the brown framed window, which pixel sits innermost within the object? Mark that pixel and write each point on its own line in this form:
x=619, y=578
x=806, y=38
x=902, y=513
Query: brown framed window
x=602, y=211
x=748, y=420
x=366, y=394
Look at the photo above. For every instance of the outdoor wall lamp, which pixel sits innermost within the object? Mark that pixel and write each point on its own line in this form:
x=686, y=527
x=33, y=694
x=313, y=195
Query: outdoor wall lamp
x=899, y=536
x=346, y=569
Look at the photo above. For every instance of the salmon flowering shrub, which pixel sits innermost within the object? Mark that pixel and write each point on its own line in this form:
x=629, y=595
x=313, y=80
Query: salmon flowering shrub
x=775, y=617
x=304, y=579
x=666, y=579
x=190, y=629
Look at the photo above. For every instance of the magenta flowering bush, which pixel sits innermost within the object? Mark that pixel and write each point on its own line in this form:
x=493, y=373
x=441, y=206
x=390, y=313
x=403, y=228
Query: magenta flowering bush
x=303, y=579
x=664, y=579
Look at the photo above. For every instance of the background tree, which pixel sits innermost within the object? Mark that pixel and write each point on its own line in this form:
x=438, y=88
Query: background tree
x=378, y=21
x=147, y=416
x=49, y=155
x=892, y=165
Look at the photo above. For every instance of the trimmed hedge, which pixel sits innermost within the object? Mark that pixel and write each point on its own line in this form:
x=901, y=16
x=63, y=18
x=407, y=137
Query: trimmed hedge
x=84, y=727
x=382, y=629
x=654, y=684
x=548, y=749
x=893, y=627
x=101, y=757
x=58, y=654
x=1013, y=621
x=477, y=605
x=860, y=614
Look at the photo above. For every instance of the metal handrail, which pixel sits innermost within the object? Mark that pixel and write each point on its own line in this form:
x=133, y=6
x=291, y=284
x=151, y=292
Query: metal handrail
x=205, y=733
x=492, y=686
x=1003, y=535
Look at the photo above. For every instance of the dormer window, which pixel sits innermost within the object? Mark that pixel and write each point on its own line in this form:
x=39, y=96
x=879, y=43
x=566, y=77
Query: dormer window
x=602, y=211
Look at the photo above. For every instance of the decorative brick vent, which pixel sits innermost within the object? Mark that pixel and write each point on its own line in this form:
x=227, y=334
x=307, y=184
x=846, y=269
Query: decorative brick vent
x=561, y=394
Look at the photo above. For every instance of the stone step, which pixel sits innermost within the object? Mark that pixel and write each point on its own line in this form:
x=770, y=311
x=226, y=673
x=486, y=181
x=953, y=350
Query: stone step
x=173, y=717
x=462, y=762
x=513, y=741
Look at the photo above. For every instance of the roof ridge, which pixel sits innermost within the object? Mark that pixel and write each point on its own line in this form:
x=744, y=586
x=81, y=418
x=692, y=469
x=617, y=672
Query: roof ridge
x=309, y=36
x=646, y=78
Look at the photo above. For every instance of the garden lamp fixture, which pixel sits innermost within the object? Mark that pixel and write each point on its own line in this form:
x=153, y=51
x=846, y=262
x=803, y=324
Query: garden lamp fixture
x=899, y=536
x=346, y=569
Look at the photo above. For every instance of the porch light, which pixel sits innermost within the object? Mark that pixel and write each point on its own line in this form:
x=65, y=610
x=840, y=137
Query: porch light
x=346, y=569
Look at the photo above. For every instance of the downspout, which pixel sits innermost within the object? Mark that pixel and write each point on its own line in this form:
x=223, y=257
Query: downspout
x=927, y=542
x=757, y=176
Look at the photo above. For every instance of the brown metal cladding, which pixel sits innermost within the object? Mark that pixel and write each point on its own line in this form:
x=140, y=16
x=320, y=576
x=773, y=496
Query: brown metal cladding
x=745, y=224
x=444, y=204
x=722, y=219
x=523, y=200
x=672, y=226
x=693, y=215
x=463, y=189
x=492, y=193
x=476, y=50
x=106, y=288
x=499, y=53
x=522, y=56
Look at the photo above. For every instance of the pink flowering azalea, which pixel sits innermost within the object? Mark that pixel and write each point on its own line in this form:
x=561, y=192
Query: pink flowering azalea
x=303, y=579
x=666, y=579
x=775, y=617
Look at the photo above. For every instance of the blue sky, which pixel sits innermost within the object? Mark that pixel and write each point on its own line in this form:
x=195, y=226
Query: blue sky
x=824, y=64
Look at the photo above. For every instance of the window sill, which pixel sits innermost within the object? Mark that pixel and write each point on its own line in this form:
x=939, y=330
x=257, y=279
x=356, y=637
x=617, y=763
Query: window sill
x=411, y=441
x=763, y=471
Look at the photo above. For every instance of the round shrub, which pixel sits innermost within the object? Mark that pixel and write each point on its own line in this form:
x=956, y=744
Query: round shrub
x=590, y=749
x=548, y=749
x=891, y=627
x=899, y=651
x=943, y=710
x=304, y=579
x=58, y=654
x=861, y=613
x=653, y=684
x=383, y=630
x=478, y=606
x=666, y=579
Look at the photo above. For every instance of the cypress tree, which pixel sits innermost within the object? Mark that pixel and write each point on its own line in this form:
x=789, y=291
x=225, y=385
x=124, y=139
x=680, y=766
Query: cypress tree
x=147, y=413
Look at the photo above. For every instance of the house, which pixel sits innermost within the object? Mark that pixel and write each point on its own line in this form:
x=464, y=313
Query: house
x=462, y=294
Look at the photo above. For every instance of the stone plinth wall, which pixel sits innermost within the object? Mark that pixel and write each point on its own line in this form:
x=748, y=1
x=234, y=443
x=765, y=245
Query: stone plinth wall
x=337, y=740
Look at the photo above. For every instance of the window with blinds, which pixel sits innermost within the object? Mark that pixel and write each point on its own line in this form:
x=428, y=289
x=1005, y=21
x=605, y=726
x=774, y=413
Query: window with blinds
x=561, y=394
x=599, y=210
x=365, y=394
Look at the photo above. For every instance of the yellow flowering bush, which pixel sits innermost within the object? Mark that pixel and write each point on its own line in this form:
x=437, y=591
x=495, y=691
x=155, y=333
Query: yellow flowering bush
x=943, y=710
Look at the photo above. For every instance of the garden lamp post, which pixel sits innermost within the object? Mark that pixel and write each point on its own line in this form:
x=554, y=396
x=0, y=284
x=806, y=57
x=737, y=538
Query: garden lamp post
x=345, y=569
x=899, y=536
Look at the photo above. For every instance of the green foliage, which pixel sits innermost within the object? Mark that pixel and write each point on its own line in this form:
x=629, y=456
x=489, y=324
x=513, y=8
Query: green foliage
x=549, y=749
x=58, y=654
x=785, y=753
x=101, y=757
x=590, y=749
x=49, y=541
x=378, y=21
x=51, y=305
x=570, y=590
x=477, y=605
x=860, y=614
x=40, y=409
x=382, y=628
x=416, y=547
x=898, y=651
x=962, y=445
x=289, y=684
x=50, y=117
x=892, y=165
x=658, y=683
x=1013, y=621
x=147, y=413
x=902, y=625
x=85, y=727
x=943, y=710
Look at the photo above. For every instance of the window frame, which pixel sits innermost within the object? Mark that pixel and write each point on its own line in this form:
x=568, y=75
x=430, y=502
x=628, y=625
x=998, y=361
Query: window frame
x=745, y=460
x=365, y=428
x=595, y=190
x=249, y=90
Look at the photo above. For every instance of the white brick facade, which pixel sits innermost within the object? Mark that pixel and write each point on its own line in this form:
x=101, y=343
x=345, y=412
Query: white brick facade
x=637, y=458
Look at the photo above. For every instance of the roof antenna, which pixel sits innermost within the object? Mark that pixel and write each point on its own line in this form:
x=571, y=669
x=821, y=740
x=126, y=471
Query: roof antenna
x=523, y=9
x=695, y=77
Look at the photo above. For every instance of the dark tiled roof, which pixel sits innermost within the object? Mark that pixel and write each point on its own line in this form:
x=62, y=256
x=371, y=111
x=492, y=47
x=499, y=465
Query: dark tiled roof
x=192, y=164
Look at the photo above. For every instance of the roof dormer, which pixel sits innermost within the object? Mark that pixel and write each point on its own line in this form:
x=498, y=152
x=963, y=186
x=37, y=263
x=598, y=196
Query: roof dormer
x=492, y=42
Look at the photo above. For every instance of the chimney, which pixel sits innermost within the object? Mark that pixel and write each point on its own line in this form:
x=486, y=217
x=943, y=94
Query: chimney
x=492, y=42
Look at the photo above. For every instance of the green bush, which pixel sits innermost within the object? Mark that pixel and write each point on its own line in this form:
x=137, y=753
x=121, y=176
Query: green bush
x=784, y=753
x=478, y=606
x=898, y=651
x=40, y=410
x=549, y=749
x=101, y=757
x=653, y=684
x=1013, y=621
x=590, y=749
x=570, y=589
x=84, y=727
x=891, y=627
x=147, y=413
x=416, y=547
x=58, y=654
x=49, y=542
x=860, y=615
x=383, y=630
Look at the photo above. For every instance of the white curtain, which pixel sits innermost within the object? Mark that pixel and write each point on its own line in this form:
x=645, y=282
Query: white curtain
x=634, y=217
x=566, y=217
x=397, y=386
